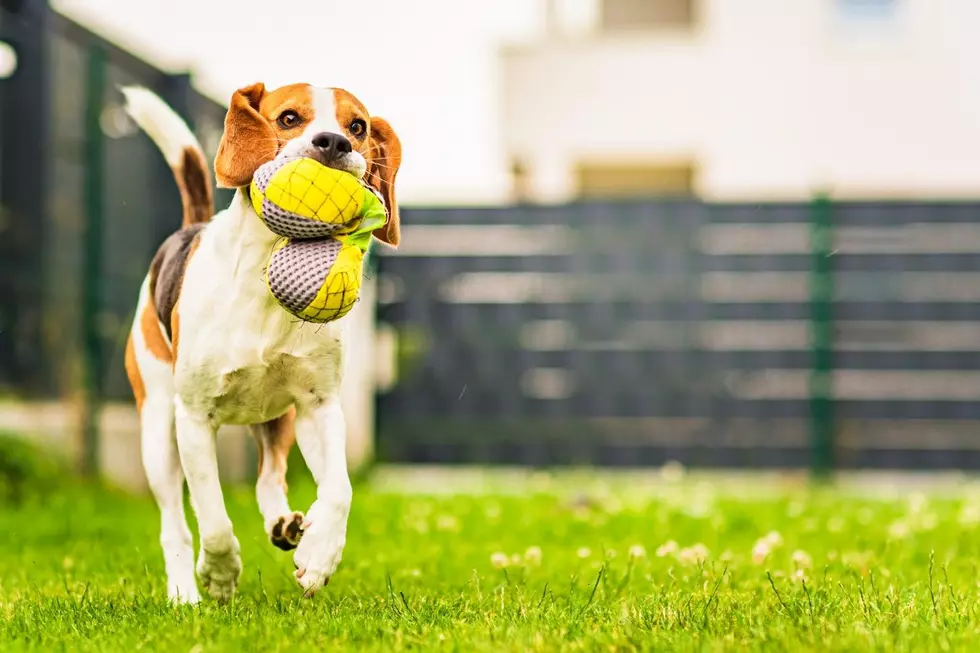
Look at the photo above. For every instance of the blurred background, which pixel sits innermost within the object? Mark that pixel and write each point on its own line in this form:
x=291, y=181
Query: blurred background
x=737, y=234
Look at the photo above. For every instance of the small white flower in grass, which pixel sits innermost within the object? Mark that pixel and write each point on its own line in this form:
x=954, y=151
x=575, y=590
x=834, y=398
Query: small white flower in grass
x=761, y=551
x=447, y=523
x=516, y=560
x=415, y=573
x=727, y=555
x=584, y=552
x=693, y=555
x=637, y=551
x=802, y=560
x=499, y=560
x=800, y=575
x=969, y=516
x=533, y=555
x=700, y=507
x=667, y=548
x=774, y=539
x=899, y=530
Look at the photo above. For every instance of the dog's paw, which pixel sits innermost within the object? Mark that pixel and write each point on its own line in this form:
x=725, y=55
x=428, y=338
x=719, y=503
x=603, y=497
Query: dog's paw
x=183, y=594
x=219, y=568
x=318, y=554
x=287, y=531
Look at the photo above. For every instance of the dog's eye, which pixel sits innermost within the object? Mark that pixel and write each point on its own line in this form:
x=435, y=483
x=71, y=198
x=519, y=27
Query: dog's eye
x=358, y=128
x=288, y=119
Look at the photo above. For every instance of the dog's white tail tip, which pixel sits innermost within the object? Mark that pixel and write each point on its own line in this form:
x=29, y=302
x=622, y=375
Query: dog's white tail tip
x=161, y=123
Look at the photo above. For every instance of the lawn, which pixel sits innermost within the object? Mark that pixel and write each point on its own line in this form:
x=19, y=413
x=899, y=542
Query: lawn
x=560, y=564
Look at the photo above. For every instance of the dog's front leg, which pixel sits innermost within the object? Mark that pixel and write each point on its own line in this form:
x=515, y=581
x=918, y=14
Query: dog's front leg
x=219, y=563
x=322, y=437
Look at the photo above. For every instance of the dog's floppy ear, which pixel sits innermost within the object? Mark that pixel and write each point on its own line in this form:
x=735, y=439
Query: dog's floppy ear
x=383, y=161
x=248, y=140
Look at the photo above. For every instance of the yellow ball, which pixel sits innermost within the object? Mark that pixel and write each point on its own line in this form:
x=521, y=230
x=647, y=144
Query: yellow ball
x=302, y=198
x=315, y=280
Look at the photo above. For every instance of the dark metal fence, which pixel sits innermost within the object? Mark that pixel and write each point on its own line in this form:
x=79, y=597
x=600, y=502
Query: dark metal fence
x=85, y=200
x=630, y=333
x=636, y=333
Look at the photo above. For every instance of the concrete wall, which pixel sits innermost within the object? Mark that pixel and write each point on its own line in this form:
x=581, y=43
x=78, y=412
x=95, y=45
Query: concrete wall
x=770, y=98
x=54, y=424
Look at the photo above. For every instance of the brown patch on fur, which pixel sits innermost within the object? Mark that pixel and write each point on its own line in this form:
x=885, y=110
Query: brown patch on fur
x=383, y=164
x=175, y=330
x=381, y=149
x=348, y=109
x=252, y=134
x=133, y=373
x=194, y=182
x=194, y=245
x=150, y=327
x=286, y=534
x=275, y=438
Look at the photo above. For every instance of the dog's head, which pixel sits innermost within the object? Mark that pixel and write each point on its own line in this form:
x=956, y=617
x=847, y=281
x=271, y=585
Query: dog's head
x=299, y=120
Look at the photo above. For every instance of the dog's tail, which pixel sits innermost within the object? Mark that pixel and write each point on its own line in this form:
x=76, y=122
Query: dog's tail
x=179, y=147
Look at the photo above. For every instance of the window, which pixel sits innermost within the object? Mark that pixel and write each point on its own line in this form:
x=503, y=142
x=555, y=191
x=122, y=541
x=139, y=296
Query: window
x=622, y=15
x=866, y=10
x=621, y=180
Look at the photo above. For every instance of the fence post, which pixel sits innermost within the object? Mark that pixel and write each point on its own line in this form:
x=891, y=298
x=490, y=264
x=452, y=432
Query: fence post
x=822, y=422
x=92, y=261
x=24, y=151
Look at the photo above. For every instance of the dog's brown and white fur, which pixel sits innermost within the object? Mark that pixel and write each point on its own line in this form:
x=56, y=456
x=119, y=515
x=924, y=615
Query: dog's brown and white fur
x=210, y=346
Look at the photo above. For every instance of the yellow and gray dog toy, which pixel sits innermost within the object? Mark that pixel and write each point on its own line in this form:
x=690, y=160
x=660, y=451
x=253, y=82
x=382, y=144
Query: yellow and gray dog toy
x=326, y=218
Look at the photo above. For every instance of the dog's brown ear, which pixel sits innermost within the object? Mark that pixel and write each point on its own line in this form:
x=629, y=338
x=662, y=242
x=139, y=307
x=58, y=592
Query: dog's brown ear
x=384, y=160
x=248, y=140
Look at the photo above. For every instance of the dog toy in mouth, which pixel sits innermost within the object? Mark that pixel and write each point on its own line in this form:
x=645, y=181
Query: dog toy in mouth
x=302, y=198
x=326, y=217
x=316, y=280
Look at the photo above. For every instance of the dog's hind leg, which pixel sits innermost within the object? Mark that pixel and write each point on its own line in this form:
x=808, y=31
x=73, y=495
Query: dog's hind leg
x=151, y=377
x=274, y=440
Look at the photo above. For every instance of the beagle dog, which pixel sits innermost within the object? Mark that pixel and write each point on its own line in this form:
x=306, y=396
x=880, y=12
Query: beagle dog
x=209, y=344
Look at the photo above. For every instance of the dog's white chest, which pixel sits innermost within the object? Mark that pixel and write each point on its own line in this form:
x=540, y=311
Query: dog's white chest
x=241, y=358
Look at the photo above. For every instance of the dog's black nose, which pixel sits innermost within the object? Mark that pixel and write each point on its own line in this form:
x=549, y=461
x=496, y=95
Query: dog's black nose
x=332, y=144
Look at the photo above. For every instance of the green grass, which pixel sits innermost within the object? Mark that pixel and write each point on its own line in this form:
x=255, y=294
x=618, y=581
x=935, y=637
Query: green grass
x=80, y=570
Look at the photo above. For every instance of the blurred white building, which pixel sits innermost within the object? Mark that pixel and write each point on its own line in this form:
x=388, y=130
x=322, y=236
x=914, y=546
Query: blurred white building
x=746, y=99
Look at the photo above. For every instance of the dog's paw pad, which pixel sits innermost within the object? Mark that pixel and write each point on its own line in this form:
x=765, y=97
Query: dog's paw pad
x=287, y=532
